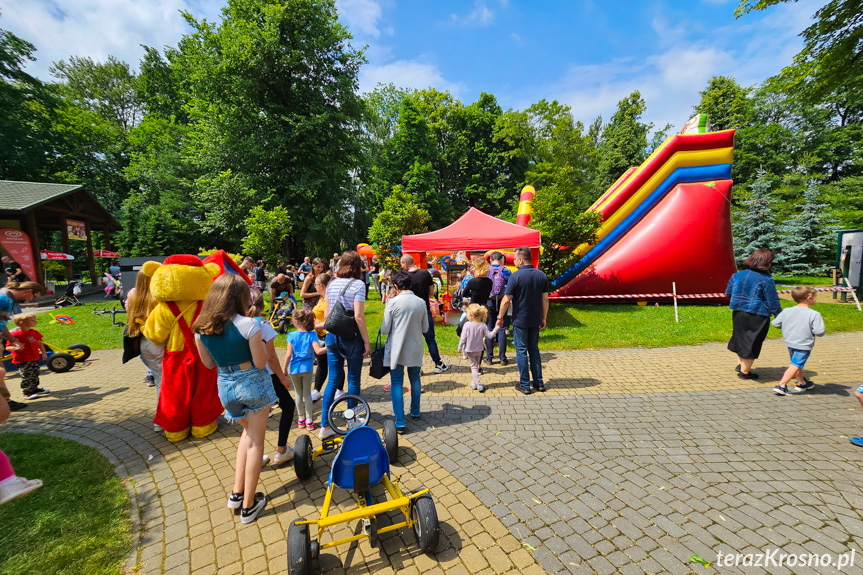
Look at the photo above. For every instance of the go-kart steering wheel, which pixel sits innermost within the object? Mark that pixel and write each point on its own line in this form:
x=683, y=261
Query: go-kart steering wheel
x=352, y=417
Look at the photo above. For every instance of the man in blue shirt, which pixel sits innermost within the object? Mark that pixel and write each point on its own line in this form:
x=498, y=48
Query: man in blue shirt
x=499, y=275
x=527, y=292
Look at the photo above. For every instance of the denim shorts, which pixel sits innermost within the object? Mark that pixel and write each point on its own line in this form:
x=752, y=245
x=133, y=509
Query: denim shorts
x=243, y=391
x=799, y=356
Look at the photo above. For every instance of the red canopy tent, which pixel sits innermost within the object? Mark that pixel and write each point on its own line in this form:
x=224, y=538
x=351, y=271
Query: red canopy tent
x=475, y=231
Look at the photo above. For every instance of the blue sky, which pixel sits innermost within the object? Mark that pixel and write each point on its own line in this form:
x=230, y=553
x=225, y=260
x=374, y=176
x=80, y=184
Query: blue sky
x=585, y=53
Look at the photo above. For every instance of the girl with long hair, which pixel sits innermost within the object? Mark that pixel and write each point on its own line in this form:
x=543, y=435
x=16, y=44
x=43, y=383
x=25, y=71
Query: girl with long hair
x=139, y=304
x=308, y=293
x=231, y=341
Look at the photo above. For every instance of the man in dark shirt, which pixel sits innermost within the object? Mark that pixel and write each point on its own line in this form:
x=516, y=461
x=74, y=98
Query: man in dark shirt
x=527, y=292
x=13, y=270
x=279, y=284
x=423, y=287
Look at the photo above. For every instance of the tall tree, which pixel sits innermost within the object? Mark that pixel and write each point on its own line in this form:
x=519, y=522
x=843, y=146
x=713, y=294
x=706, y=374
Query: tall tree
x=830, y=60
x=272, y=98
x=807, y=239
x=26, y=105
x=726, y=103
x=400, y=216
x=756, y=225
x=624, y=140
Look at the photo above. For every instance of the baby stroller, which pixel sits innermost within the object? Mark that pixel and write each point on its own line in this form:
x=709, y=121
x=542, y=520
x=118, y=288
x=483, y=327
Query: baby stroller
x=70, y=295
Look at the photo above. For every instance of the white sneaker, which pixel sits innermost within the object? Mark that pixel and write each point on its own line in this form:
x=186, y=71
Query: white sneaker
x=316, y=395
x=279, y=458
x=249, y=515
x=15, y=487
x=441, y=368
x=157, y=428
x=339, y=394
x=266, y=459
x=472, y=385
x=326, y=432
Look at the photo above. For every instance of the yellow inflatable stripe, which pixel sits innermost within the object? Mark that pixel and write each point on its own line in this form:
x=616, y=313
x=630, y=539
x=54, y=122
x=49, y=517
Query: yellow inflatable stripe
x=678, y=160
x=524, y=208
x=636, y=172
x=619, y=183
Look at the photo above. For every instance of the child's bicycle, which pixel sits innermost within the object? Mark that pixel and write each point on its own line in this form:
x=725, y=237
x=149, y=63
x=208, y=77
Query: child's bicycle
x=361, y=463
x=281, y=312
x=60, y=360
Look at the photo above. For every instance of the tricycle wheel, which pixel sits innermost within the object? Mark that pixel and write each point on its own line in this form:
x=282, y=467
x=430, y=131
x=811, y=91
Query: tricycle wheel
x=283, y=326
x=426, y=526
x=373, y=532
x=83, y=348
x=303, y=457
x=299, y=549
x=391, y=440
x=61, y=362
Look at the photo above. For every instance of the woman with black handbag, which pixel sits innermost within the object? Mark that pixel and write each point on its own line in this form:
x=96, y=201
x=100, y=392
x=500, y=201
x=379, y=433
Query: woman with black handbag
x=347, y=336
x=405, y=320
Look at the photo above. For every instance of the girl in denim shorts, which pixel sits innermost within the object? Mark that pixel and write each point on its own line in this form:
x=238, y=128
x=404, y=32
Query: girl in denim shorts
x=231, y=341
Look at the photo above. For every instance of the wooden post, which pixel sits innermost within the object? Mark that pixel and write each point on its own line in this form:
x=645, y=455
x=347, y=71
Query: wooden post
x=90, y=261
x=33, y=232
x=107, y=233
x=64, y=235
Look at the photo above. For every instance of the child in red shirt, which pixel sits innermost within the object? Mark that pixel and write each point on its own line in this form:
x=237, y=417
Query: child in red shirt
x=27, y=359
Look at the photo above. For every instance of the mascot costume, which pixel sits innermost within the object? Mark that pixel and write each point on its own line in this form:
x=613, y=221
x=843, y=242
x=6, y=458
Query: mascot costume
x=189, y=398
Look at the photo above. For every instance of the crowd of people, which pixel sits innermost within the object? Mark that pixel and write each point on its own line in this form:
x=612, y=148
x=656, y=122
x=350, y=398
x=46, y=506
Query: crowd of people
x=233, y=336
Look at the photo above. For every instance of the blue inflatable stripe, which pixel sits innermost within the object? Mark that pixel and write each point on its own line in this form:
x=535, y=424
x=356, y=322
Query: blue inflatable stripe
x=689, y=175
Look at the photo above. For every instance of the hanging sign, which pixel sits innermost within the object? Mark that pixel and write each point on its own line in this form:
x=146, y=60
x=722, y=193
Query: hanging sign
x=76, y=230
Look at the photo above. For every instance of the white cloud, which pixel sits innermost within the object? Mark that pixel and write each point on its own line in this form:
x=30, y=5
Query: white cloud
x=362, y=15
x=406, y=74
x=670, y=79
x=481, y=15
x=97, y=28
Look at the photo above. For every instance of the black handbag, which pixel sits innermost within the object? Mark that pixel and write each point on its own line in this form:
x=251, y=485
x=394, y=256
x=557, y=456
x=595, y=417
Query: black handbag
x=377, y=368
x=131, y=347
x=341, y=322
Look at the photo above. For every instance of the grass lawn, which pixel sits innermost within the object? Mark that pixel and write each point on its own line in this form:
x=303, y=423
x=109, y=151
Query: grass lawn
x=77, y=523
x=570, y=326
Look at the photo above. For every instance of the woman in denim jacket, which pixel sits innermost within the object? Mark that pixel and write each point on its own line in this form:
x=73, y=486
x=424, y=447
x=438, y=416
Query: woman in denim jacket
x=753, y=299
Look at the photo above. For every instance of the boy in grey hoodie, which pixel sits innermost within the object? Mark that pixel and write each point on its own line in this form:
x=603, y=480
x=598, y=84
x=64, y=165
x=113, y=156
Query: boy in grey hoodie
x=800, y=324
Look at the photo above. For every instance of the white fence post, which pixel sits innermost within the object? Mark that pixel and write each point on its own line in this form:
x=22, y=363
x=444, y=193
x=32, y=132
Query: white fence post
x=674, y=292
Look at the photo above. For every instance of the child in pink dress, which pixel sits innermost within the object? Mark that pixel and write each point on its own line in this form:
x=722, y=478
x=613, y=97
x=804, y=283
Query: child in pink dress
x=472, y=341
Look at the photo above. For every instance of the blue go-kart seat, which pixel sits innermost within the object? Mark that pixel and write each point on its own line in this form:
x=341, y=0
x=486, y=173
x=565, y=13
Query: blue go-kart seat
x=361, y=461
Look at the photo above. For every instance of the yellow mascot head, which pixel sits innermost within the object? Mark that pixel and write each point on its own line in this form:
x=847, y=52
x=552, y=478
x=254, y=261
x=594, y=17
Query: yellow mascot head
x=181, y=278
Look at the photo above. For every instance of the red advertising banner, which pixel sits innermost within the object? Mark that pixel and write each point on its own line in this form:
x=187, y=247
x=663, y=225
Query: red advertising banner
x=17, y=243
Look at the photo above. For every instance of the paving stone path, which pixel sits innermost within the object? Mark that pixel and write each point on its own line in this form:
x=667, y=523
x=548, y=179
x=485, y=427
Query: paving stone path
x=632, y=461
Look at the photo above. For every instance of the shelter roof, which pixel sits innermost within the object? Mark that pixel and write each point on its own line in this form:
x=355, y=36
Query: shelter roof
x=473, y=231
x=51, y=201
x=24, y=196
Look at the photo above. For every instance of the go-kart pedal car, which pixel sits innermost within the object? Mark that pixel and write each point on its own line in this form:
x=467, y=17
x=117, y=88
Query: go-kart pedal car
x=360, y=464
x=305, y=454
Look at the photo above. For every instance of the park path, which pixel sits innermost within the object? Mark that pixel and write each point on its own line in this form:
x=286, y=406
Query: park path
x=632, y=461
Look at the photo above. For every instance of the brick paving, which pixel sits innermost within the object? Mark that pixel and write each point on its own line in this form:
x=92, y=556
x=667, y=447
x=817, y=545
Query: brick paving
x=632, y=461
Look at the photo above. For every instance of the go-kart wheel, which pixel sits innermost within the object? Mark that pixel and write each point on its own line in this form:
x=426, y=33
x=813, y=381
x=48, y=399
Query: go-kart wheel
x=391, y=440
x=303, y=457
x=426, y=526
x=283, y=326
x=343, y=421
x=315, y=549
x=299, y=549
x=61, y=362
x=83, y=348
x=373, y=532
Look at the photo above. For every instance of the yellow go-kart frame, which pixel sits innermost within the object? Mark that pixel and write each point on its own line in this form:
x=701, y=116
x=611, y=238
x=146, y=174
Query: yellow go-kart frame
x=361, y=463
x=63, y=359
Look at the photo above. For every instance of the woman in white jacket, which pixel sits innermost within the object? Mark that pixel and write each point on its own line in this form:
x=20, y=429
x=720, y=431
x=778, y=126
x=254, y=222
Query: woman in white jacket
x=405, y=320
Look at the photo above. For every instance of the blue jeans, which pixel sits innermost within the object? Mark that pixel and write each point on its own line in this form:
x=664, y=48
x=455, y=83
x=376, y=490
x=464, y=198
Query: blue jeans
x=339, y=350
x=397, y=378
x=430, y=340
x=492, y=305
x=526, y=340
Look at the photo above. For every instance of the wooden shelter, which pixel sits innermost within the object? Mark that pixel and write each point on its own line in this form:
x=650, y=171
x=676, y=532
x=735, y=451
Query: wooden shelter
x=34, y=206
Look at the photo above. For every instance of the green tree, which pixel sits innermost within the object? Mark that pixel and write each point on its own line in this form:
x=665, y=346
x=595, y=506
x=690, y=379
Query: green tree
x=756, y=225
x=26, y=105
x=564, y=227
x=624, y=140
x=726, y=103
x=272, y=98
x=807, y=239
x=551, y=150
x=830, y=61
x=401, y=215
x=266, y=232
